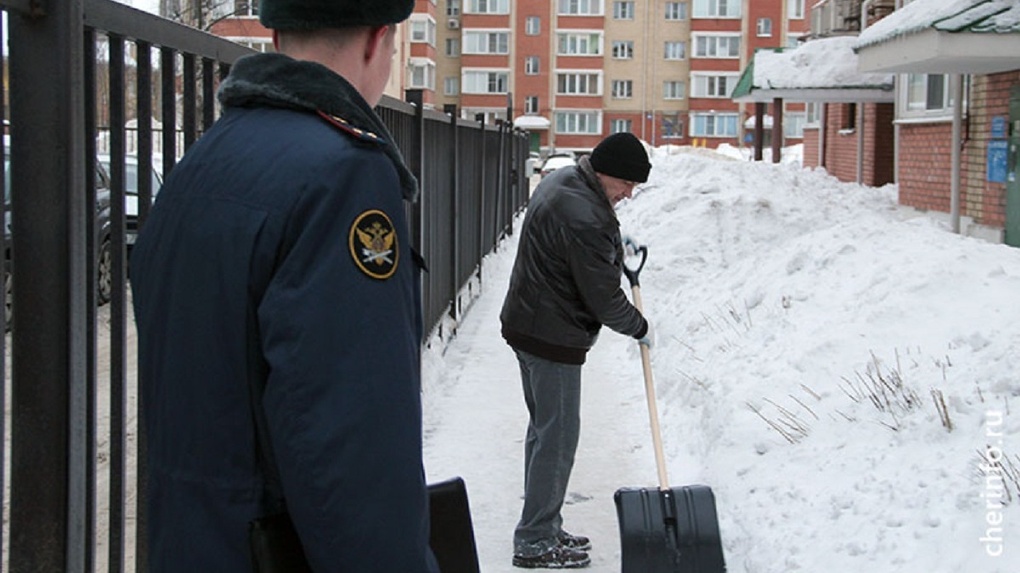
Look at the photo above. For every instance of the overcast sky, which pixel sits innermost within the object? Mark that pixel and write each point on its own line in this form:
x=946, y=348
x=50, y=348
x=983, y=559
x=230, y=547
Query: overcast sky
x=147, y=5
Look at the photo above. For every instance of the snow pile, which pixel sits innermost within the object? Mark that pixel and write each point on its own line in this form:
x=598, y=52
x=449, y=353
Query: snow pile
x=817, y=64
x=840, y=370
x=920, y=15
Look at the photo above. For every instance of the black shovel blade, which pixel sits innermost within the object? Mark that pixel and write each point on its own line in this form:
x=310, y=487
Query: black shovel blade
x=452, y=536
x=669, y=531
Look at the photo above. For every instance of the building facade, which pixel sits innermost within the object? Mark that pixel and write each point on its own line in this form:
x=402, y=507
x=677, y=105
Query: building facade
x=574, y=71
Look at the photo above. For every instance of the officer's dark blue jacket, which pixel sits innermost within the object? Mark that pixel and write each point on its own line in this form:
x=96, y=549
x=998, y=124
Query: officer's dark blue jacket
x=278, y=248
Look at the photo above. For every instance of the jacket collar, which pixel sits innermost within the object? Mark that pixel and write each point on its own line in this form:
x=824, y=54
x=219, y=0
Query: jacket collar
x=277, y=80
x=593, y=182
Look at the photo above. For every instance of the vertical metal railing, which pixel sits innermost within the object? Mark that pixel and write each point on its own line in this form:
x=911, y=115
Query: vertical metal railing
x=79, y=72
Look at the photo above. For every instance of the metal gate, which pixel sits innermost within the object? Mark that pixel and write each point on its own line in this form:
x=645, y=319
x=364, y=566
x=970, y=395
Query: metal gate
x=85, y=78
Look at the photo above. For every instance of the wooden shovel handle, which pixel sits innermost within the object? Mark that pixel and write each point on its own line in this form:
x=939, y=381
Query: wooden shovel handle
x=653, y=410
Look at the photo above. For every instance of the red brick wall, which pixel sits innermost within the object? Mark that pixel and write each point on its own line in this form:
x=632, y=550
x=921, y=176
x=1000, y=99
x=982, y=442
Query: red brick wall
x=924, y=176
x=980, y=199
x=879, y=144
x=841, y=143
x=925, y=156
x=811, y=147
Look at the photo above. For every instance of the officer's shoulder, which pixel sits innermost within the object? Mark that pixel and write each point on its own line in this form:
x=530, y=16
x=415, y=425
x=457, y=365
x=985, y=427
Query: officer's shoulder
x=343, y=126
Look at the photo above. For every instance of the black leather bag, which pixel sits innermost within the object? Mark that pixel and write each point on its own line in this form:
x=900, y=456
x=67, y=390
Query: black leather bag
x=275, y=546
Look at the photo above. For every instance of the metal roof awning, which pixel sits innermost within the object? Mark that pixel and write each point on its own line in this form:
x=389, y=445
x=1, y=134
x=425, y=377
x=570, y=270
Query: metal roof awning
x=531, y=122
x=944, y=37
x=822, y=70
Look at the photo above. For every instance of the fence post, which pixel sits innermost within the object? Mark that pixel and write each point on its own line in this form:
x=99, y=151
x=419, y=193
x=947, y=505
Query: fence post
x=48, y=437
x=455, y=240
x=414, y=158
x=480, y=118
x=502, y=187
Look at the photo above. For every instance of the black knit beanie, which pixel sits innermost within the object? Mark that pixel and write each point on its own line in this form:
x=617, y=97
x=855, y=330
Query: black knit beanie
x=318, y=14
x=621, y=155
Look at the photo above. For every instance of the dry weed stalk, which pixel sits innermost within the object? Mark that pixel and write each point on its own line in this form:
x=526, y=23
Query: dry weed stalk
x=1002, y=467
x=940, y=407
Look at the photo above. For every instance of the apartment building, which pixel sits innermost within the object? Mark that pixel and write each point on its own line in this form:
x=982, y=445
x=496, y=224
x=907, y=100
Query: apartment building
x=574, y=71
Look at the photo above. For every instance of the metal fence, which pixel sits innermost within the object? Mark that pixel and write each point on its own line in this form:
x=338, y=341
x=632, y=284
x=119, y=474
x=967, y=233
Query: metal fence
x=73, y=69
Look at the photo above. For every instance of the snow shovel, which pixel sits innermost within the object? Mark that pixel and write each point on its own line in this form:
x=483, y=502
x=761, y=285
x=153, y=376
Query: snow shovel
x=664, y=529
x=452, y=536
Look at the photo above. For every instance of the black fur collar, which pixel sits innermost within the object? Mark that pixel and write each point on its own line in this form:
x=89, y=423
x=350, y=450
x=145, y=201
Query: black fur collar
x=280, y=81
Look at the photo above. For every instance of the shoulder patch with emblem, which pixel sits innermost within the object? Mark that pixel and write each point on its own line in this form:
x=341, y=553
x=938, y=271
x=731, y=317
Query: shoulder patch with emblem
x=345, y=126
x=373, y=244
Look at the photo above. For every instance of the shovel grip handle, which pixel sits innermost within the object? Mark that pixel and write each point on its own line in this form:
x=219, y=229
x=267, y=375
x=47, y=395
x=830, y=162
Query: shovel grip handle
x=632, y=274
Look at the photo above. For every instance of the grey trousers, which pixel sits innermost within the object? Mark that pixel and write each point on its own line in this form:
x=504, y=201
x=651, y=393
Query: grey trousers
x=552, y=392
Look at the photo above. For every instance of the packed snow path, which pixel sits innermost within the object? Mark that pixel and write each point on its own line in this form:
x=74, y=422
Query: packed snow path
x=787, y=307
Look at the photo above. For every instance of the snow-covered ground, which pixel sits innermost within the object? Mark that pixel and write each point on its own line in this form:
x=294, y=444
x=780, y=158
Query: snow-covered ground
x=807, y=334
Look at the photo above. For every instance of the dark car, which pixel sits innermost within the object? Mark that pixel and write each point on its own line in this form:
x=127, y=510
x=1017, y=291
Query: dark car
x=104, y=260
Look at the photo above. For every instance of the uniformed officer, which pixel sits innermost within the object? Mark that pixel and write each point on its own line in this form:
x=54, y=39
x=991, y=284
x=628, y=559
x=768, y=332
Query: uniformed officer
x=278, y=256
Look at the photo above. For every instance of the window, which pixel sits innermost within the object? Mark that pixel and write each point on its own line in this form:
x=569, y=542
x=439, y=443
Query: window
x=927, y=93
x=672, y=126
x=673, y=90
x=620, y=126
x=793, y=124
x=531, y=65
x=717, y=46
x=530, y=104
x=713, y=86
x=421, y=73
x=623, y=49
x=623, y=89
x=453, y=47
x=485, y=82
x=532, y=26
x=795, y=9
x=717, y=8
x=246, y=8
x=423, y=30
x=482, y=42
x=676, y=11
x=579, y=7
x=587, y=122
x=713, y=125
x=584, y=44
x=488, y=6
x=259, y=45
x=764, y=27
x=814, y=114
x=453, y=7
x=849, y=117
x=451, y=86
x=579, y=83
x=675, y=51
x=623, y=10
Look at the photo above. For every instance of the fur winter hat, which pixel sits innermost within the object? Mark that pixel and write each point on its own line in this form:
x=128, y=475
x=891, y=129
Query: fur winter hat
x=317, y=14
x=621, y=155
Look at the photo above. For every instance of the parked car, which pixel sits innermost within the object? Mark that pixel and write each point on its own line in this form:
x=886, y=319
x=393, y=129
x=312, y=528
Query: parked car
x=554, y=162
x=104, y=258
x=131, y=191
x=534, y=163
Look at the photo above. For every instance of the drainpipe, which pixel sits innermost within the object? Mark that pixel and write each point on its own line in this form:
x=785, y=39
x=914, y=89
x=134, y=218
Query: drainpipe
x=865, y=6
x=956, y=83
x=823, y=128
x=860, y=143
